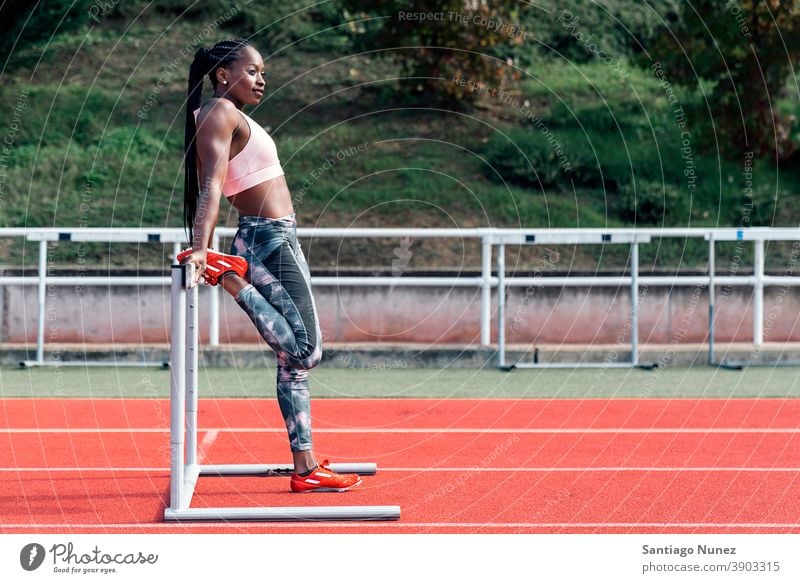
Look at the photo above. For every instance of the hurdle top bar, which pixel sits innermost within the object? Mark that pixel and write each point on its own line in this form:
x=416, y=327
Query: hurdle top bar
x=754, y=234
x=564, y=237
x=122, y=235
x=187, y=275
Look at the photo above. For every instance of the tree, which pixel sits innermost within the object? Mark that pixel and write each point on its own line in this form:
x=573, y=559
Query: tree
x=620, y=27
x=23, y=23
x=745, y=48
x=446, y=48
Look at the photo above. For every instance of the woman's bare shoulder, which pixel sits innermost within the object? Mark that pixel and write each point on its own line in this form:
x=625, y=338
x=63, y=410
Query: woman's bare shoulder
x=217, y=111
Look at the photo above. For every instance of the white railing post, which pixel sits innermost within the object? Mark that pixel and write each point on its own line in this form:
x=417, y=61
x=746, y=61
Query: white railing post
x=501, y=305
x=635, y=303
x=758, y=294
x=712, y=292
x=486, y=289
x=42, y=299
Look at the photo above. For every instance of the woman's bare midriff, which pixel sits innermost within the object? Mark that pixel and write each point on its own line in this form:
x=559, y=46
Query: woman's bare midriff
x=269, y=199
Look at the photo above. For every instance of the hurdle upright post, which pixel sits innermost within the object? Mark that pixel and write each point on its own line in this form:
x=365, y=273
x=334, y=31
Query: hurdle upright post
x=192, y=345
x=635, y=303
x=486, y=289
x=758, y=292
x=501, y=305
x=177, y=396
x=213, y=312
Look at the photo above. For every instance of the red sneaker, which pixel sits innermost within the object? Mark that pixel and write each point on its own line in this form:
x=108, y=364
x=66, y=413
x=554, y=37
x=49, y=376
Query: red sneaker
x=218, y=264
x=324, y=479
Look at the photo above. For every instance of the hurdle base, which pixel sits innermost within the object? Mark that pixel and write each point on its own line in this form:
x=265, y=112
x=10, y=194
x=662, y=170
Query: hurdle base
x=287, y=514
x=88, y=363
x=743, y=364
x=579, y=365
x=269, y=470
x=193, y=472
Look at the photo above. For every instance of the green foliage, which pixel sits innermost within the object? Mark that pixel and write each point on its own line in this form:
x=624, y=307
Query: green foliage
x=23, y=23
x=272, y=26
x=195, y=10
x=640, y=152
x=746, y=49
x=55, y=113
x=297, y=24
x=584, y=141
x=130, y=141
x=524, y=157
x=653, y=202
x=646, y=181
x=103, y=184
x=586, y=30
x=445, y=48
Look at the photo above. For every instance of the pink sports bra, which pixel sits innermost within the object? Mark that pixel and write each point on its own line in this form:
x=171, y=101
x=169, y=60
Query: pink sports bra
x=256, y=163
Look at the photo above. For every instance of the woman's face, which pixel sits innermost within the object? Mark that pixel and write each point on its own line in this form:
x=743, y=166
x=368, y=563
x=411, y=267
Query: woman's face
x=245, y=77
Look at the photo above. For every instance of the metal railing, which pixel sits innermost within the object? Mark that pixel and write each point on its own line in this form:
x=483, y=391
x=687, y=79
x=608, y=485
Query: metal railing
x=489, y=238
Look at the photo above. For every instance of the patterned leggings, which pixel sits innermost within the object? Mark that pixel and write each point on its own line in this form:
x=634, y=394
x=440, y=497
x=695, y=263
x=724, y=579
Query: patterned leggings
x=279, y=302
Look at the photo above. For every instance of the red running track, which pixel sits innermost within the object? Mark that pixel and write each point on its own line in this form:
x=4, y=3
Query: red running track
x=454, y=466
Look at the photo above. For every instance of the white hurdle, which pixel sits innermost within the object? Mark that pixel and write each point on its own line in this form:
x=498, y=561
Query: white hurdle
x=517, y=237
x=184, y=468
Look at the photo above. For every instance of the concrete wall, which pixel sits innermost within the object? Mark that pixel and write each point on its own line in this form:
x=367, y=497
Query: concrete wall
x=427, y=315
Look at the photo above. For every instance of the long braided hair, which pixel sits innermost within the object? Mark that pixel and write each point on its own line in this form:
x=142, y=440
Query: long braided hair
x=206, y=62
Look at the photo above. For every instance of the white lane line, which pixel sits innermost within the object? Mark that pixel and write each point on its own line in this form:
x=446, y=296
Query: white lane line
x=469, y=469
x=208, y=440
x=394, y=525
x=436, y=400
x=551, y=430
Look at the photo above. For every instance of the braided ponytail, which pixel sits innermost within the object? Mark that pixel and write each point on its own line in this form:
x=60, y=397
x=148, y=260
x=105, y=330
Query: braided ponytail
x=206, y=62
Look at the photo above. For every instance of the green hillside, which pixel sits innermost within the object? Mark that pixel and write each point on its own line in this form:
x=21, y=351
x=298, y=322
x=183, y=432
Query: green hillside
x=97, y=137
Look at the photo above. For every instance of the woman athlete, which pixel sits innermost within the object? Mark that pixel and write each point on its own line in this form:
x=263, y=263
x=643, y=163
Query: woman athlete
x=227, y=153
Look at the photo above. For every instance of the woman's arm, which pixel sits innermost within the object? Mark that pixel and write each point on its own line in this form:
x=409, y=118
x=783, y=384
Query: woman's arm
x=215, y=128
x=214, y=132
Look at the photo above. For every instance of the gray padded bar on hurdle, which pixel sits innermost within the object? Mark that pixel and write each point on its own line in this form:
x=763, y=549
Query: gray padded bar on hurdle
x=362, y=469
x=289, y=513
